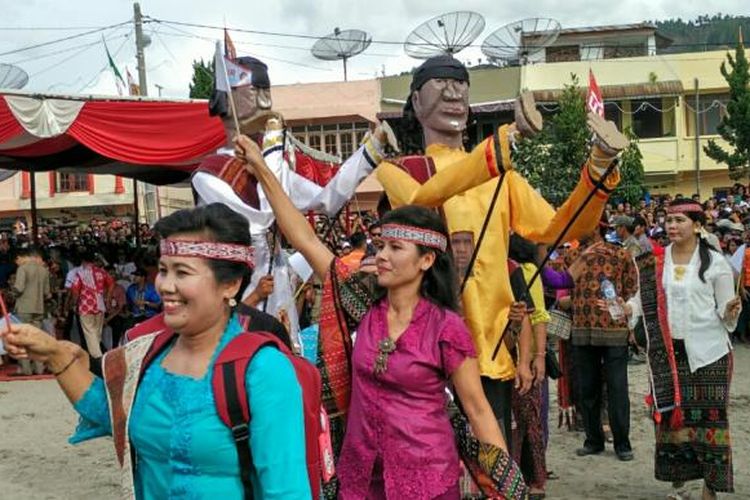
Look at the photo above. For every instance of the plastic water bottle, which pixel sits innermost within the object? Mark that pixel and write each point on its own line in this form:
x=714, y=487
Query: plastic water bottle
x=610, y=295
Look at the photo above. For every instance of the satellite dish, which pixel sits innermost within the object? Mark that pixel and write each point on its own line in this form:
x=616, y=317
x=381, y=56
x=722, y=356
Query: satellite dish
x=445, y=34
x=341, y=45
x=12, y=77
x=515, y=42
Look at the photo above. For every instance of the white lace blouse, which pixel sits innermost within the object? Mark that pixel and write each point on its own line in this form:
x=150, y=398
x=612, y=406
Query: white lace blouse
x=696, y=309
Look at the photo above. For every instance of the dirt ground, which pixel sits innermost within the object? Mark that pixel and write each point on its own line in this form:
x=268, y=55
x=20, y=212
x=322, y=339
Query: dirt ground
x=36, y=462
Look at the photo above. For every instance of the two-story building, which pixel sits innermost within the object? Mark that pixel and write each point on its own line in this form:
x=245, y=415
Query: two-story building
x=662, y=98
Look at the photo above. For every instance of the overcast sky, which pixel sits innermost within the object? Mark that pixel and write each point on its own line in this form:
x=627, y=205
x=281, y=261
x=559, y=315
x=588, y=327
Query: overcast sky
x=80, y=67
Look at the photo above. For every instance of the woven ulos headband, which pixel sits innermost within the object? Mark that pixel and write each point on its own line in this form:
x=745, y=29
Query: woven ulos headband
x=416, y=235
x=684, y=208
x=209, y=250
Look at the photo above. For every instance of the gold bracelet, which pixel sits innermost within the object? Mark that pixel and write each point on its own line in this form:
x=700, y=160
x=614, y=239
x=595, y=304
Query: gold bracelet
x=58, y=373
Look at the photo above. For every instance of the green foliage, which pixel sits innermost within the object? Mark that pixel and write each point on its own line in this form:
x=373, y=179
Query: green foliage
x=631, y=187
x=704, y=33
x=551, y=161
x=203, y=80
x=735, y=126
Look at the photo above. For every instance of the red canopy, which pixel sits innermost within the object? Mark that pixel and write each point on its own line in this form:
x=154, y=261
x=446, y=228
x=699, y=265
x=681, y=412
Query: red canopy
x=153, y=140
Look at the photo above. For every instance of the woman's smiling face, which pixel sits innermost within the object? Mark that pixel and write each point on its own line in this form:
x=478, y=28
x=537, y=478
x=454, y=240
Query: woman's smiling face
x=193, y=300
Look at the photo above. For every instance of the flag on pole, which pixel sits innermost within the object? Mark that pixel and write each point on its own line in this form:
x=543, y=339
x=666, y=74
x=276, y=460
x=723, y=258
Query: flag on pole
x=223, y=83
x=229, y=51
x=220, y=71
x=228, y=74
x=594, y=99
x=133, y=88
x=119, y=81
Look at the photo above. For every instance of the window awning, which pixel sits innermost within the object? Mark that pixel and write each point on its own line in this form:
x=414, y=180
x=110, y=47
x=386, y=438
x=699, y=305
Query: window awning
x=666, y=88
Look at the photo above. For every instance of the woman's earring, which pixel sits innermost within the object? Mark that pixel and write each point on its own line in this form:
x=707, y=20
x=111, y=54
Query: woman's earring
x=232, y=302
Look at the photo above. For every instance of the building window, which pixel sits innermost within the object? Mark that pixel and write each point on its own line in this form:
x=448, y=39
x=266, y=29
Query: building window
x=564, y=53
x=647, y=118
x=314, y=141
x=711, y=109
x=612, y=113
x=347, y=144
x=330, y=142
x=340, y=139
x=632, y=50
x=71, y=183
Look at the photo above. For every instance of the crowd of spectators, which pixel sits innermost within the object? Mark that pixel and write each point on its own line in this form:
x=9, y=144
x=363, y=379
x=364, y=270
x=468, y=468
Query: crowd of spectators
x=727, y=217
x=106, y=250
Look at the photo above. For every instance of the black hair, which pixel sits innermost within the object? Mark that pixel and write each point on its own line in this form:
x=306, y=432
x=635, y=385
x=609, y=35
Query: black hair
x=439, y=284
x=23, y=252
x=220, y=224
x=638, y=220
x=86, y=255
x=358, y=240
x=704, y=247
x=384, y=206
x=522, y=250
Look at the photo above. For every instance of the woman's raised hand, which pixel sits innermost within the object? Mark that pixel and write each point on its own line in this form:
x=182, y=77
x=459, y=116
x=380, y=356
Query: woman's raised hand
x=248, y=152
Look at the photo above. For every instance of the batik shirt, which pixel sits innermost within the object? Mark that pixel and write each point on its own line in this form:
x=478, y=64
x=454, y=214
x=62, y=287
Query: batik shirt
x=592, y=326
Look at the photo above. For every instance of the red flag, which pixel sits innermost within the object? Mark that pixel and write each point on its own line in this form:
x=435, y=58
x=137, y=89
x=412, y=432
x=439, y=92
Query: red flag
x=134, y=88
x=229, y=50
x=594, y=99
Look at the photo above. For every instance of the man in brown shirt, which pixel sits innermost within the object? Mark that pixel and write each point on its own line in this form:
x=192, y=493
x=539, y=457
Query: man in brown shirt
x=32, y=289
x=600, y=342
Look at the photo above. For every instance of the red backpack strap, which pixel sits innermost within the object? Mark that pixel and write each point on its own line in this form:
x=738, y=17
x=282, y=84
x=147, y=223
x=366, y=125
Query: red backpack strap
x=230, y=394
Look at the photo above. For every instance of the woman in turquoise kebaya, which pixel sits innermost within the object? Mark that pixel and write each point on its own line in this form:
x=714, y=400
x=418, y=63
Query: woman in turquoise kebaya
x=169, y=440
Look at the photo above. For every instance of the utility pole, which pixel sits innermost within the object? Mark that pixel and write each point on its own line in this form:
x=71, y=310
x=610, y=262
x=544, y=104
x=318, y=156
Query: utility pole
x=159, y=88
x=140, y=45
x=149, y=193
x=697, y=141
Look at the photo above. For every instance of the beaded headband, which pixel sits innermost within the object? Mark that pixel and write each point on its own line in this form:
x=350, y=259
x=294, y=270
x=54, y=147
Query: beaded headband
x=684, y=208
x=416, y=235
x=209, y=250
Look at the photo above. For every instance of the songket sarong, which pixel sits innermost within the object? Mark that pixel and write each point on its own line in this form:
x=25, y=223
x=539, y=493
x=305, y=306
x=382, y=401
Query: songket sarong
x=528, y=443
x=701, y=448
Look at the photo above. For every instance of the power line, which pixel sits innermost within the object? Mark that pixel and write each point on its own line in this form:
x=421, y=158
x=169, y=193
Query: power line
x=64, y=39
x=265, y=57
x=49, y=28
x=67, y=49
x=106, y=65
x=76, y=54
x=393, y=42
x=156, y=34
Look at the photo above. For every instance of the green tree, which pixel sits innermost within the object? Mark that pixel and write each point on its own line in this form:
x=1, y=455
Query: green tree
x=631, y=188
x=203, y=80
x=551, y=161
x=735, y=126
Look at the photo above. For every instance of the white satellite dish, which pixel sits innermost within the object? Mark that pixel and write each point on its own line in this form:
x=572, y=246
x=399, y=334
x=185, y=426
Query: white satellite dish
x=514, y=43
x=445, y=34
x=341, y=45
x=12, y=77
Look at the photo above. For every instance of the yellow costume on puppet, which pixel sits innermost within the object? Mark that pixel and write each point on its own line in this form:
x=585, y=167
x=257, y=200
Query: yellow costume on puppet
x=464, y=186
